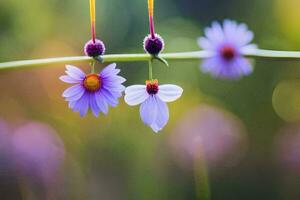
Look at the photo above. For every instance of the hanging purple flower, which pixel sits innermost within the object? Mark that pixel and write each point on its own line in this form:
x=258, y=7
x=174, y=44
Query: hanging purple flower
x=227, y=45
x=154, y=110
x=97, y=91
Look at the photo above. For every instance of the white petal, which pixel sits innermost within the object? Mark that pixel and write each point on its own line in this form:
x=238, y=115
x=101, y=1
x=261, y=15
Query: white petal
x=135, y=94
x=162, y=117
x=148, y=111
x=169, y=93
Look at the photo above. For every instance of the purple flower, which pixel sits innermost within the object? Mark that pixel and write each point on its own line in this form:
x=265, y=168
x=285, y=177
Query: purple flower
x=37, y=150
x=154, y=110
x=227, y=45
x=97, y=91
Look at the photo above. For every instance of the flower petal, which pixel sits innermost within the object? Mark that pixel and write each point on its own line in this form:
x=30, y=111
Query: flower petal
x=76, y=97
x=101, y=102
x=82, y=105
x=73, y=90
x=75, y=72
x=94, y=106
x=111, y=100
x=162, y=116
x=135, y=94
x=148, y=110
x=109, y=70
x=69, y=79
x=169, y=93
x=206, y=44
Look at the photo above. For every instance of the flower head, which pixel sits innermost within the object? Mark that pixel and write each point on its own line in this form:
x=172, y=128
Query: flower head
x=97, y=91
x=227, y=45
x=153, y=98
x=154, y=45
x=94, y=48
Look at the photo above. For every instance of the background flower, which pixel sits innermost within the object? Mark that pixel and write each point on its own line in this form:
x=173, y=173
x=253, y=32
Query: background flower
x=218, y=134
x=226, y=44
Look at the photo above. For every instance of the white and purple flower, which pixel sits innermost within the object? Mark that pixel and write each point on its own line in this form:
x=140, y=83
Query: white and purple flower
x=153, y=98
x=95, y=91
x=227, y=44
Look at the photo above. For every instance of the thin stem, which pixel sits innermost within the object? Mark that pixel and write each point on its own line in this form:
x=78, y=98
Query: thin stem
x=151, y=18
x=202, y=182
x=93, y=62
x=193, y=55
x=93, y=19
x=150, y=70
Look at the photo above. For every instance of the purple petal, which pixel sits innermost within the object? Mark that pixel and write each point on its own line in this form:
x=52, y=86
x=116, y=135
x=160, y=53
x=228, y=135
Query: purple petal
x=69, y=79
x=82, y=105
x=135, y=94
x=114, y=79
x=206, y=44
x=148, y=111
x=110, y=70
x=114, y=88
x=215, y=34
x=101, y=102
x=110, y=99
x=73, y=90
x=75, y=72
x=94, y=106
x=229, y=70
x=76, y=96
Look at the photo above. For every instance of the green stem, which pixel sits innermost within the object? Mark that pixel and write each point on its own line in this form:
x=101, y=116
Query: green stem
x=194, y=55
x=93, y=62
x=150, y=71
x=201, y=175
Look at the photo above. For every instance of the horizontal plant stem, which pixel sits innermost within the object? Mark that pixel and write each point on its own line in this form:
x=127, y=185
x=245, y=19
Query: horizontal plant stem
x=194, y=55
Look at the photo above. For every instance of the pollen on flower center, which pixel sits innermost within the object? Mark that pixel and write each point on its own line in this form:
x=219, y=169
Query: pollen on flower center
x=152, y=87
x=228, y=52
x=92, y=82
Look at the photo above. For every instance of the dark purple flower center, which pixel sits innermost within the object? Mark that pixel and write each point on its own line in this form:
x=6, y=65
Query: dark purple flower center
x=152, y=87
x=92, y=82
x=228, y=52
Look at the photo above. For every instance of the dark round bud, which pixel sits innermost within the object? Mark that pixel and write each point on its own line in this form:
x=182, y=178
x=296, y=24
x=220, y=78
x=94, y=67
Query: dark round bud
x=94, y=49
x=155, y=45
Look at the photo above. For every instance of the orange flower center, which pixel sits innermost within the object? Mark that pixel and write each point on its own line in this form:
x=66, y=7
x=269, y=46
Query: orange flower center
x=152, y=87
x=92, y=82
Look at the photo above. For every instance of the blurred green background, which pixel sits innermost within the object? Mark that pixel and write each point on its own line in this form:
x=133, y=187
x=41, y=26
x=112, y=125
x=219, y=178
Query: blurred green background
x=249, y=129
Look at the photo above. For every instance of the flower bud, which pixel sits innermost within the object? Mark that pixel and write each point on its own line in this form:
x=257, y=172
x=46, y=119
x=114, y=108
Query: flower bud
x=155, y=45
x=94, y=49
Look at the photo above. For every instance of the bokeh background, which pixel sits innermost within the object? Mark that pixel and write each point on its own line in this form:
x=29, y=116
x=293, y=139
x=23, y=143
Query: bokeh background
x=244, y=135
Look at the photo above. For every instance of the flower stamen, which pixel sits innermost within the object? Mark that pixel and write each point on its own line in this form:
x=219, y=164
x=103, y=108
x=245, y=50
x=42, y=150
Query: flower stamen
x=92, y=82
x=152, y=87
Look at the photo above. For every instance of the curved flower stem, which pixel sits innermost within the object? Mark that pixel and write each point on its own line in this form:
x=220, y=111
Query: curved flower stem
x=194, y=55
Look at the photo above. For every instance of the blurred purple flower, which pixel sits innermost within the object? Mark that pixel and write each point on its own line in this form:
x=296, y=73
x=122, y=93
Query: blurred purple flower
x=287, y=146
x=154, y=110
x=209, y=131
x=96, y=91
x=37, y=150
x=227, y=45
